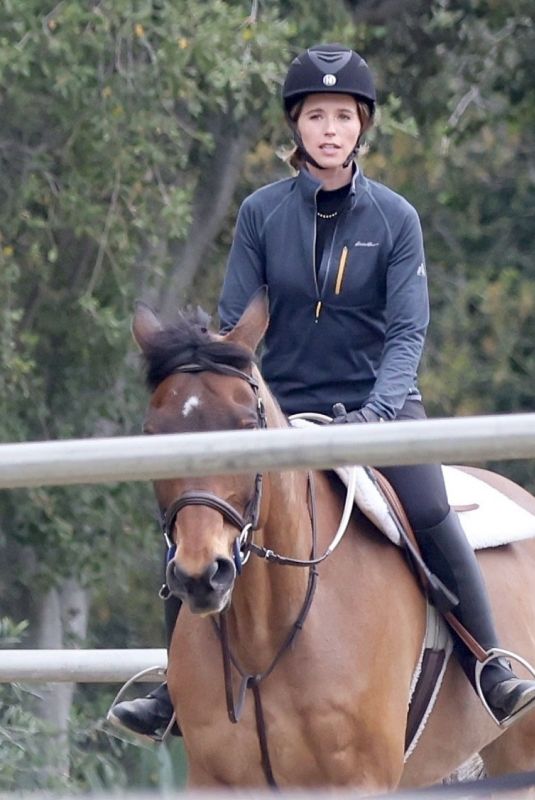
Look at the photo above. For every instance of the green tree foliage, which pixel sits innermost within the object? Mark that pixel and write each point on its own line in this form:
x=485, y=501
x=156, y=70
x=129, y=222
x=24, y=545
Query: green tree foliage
x=471, y=179
x=99, y=761
x=102, y=131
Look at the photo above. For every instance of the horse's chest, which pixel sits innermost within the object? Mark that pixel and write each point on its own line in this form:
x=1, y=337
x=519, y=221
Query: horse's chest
x=318, y=714
x=300, y=755
x=311, y=740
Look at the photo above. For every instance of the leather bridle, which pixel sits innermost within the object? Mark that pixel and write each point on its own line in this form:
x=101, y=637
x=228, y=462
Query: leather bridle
x=247, y=522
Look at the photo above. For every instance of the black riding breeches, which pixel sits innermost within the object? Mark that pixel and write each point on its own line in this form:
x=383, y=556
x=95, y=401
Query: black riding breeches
x=420, y=487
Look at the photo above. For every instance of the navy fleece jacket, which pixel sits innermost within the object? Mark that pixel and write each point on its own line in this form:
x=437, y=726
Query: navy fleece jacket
x=355, y=335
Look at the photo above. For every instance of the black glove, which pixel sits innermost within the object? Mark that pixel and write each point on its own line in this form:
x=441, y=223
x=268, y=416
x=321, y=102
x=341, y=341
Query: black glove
x=363, y=414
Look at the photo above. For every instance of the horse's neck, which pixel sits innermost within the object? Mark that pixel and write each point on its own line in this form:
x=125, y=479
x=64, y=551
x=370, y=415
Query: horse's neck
x=287, y=524
x=268, y=597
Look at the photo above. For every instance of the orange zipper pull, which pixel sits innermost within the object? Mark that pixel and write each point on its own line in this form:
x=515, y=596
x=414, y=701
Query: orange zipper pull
x=341, y=270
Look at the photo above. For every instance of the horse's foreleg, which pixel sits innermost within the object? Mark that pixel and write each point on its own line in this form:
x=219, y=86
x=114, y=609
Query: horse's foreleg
x=513, y=751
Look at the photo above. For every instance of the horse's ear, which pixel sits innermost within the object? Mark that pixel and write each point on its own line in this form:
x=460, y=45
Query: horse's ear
x=252, y=324
x=145, y=324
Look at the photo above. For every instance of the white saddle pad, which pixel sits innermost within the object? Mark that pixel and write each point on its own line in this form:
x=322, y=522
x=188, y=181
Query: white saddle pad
x=496, y=520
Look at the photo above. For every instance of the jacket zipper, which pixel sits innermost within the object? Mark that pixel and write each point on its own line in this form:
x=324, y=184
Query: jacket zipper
x=318, y=301
x=341, y=265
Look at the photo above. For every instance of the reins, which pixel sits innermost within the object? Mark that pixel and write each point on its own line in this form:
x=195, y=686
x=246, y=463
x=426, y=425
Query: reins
x=270, y=555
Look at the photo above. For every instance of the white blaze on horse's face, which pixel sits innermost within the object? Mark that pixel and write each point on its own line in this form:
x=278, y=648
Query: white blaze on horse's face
x=192, y=402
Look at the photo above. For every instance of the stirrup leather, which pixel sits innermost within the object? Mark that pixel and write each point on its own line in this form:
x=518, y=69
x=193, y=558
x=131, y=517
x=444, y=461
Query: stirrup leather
x=492, y=654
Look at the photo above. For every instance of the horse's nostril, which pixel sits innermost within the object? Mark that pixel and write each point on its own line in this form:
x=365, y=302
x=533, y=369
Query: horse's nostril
x=176, y=579
x=216, y=580
x=223, y=573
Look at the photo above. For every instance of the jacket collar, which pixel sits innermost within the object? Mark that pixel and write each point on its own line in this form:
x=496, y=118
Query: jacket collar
x=309, y=186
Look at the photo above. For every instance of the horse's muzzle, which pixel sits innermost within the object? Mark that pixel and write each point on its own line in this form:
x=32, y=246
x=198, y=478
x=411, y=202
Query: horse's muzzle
x=206, y=593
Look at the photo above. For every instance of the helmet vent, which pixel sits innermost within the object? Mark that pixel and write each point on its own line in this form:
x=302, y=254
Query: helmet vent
x=328, y=61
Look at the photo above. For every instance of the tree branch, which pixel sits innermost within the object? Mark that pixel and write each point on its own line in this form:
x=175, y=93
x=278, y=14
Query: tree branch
x=213, y=196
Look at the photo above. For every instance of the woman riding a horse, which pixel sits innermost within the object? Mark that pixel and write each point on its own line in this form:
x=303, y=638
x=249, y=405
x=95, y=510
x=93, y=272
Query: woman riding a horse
x=343, y=260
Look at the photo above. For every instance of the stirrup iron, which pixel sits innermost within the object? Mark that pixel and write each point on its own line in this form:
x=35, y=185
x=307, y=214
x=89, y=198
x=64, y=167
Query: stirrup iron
x=493, y=654
x=160, y=672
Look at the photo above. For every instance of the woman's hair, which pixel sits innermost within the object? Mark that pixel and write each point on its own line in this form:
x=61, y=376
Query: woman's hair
x=295, y=157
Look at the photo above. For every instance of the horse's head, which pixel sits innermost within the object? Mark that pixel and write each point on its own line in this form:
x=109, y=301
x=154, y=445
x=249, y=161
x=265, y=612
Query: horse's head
x=202, y=381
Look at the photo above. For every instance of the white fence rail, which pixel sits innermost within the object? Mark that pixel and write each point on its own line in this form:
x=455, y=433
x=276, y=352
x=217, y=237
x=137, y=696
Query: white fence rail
x=176, y=455
x=79, y=666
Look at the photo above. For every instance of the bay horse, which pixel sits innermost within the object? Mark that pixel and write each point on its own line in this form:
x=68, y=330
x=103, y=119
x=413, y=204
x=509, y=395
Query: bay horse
x=331, y=707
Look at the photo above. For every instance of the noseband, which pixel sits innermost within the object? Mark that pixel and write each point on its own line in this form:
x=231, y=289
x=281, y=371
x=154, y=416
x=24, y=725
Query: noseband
x=247, y=522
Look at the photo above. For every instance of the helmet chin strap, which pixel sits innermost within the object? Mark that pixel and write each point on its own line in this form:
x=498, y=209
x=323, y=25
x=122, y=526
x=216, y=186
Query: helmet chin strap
x=351, y=156
x=308, y=158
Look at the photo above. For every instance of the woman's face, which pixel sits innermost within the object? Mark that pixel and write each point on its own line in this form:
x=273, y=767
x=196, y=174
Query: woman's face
x=329, y=125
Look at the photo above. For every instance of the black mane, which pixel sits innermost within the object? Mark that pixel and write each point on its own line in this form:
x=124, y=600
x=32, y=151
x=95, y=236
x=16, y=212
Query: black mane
x=190, y=341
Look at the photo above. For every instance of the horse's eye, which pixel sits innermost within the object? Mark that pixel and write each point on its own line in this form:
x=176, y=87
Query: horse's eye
x=249, y=424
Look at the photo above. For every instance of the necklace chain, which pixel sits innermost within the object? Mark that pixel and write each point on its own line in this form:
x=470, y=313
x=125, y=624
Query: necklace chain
x=327, y=216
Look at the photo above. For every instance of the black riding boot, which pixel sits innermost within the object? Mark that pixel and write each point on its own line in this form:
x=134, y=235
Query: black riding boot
x=150, y=716
x=448, y=554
